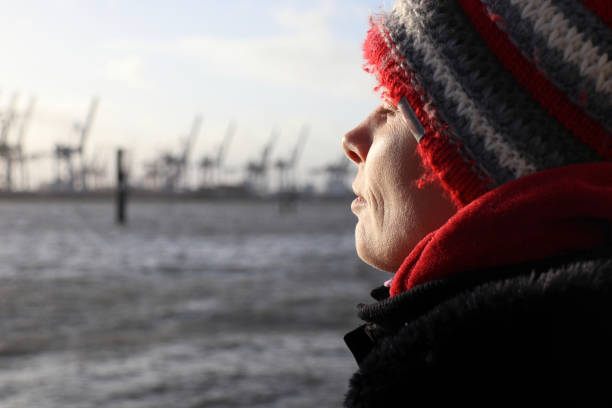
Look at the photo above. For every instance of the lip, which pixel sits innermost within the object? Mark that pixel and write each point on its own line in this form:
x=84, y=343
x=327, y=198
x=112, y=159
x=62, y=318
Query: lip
x=358, y=203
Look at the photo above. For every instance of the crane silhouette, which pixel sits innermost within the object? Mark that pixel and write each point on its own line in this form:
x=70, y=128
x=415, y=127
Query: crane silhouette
x=211, y=166
x=257, y=171
x=65, y=178
x=286, y=168
x=174, y=167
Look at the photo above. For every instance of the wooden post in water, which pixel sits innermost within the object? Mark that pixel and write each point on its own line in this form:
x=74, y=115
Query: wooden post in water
x=121, y=193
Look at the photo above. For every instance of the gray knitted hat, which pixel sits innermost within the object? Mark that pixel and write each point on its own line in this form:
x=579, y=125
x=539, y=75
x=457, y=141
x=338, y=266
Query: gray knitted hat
x=502, y=88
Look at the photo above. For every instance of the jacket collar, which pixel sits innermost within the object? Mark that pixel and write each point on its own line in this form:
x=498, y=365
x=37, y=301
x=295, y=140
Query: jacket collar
x=390, y=313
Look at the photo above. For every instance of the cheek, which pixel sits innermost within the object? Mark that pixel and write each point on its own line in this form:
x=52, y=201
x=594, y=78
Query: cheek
x=388, y=231
x=388, y=167
x=403, y=220
x=395, y=180
x=400, y=228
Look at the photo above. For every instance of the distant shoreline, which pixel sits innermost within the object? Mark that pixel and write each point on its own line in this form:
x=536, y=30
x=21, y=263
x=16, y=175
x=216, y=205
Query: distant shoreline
x=147, y=195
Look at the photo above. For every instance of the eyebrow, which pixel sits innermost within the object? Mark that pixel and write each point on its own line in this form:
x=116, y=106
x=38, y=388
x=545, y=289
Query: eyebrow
x=414, y=124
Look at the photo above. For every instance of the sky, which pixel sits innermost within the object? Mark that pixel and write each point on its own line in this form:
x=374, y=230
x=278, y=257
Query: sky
x=156, y=64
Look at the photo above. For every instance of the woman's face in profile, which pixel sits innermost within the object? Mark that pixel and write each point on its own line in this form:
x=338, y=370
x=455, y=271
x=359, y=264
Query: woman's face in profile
x=393, y=213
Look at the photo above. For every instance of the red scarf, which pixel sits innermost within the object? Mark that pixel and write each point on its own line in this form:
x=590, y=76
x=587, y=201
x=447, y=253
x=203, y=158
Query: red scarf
x=550, y=213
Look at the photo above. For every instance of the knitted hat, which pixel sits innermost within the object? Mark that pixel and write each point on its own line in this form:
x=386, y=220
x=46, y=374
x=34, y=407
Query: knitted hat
x=502, y=88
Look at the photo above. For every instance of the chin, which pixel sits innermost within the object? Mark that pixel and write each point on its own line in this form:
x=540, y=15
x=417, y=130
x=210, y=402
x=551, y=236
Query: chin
x=379, y=256
x=374, y=255
x=377, y=259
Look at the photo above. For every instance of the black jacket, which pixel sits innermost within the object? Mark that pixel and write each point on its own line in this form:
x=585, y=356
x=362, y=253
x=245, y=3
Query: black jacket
x=537, y=334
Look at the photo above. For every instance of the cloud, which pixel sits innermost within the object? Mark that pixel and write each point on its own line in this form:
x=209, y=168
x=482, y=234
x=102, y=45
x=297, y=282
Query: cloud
x=128, y=70
x=311, y=21
x=304, y=55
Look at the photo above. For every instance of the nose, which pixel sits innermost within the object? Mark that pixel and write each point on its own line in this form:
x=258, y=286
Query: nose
x=356, y=142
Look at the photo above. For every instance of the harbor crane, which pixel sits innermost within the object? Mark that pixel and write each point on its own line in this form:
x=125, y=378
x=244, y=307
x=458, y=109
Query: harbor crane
x=153, y=173
x=337, y=174
x=286, y=168
x=7, y=120
x=174, y=167
x=65, y=179
x=211, y=166
x=257, y=171
x=12, y=153
x=19, y=149
x=95, y=170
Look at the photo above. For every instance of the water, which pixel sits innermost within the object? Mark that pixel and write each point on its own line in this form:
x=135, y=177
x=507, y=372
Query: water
x=191, y=305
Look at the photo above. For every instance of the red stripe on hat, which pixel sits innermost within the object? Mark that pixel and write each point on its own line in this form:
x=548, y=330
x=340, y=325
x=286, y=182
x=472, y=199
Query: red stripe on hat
x=455, y=172
x=603, y=8
x=550, y=97
x=458, y=173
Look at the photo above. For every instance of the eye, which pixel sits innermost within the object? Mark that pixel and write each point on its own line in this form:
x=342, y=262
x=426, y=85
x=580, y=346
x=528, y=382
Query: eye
x=388, y=111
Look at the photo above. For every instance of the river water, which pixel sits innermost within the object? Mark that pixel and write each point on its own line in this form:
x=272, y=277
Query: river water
x=189, y=305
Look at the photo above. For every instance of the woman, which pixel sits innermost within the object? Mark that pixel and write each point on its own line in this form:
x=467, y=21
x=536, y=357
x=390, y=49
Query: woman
x=485, y=185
